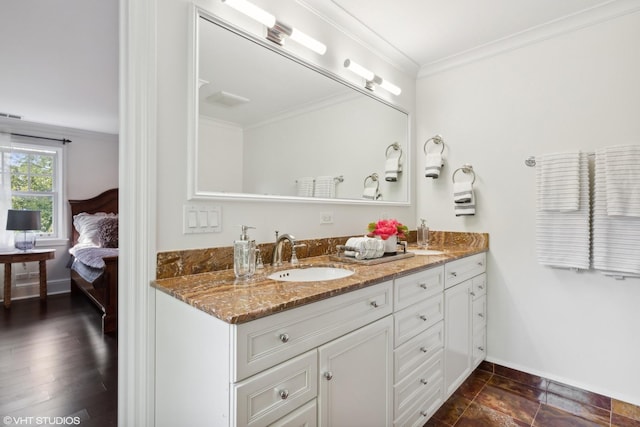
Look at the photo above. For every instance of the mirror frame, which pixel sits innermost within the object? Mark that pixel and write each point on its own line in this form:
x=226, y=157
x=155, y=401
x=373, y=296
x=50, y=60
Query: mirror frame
x=193, y=193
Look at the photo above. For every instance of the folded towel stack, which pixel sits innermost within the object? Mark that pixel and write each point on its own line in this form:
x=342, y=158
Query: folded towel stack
x=304, y=186
x=325, y=187
x=616, y=228
x=433, y=165
x=392, y=168
x=364, y=248
x=562, y=233
x=464, y=199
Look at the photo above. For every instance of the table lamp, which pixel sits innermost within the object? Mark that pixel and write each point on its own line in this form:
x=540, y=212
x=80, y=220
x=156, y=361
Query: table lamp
x=25, y=221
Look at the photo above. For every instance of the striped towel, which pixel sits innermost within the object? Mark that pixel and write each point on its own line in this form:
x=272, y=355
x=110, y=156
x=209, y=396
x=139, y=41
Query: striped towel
x=616, y=251
x=433, y=164
x=563, y=233
x=622, y=176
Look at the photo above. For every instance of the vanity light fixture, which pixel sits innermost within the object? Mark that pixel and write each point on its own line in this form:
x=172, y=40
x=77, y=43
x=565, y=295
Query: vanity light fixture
x=277, y=32
x=371, y=80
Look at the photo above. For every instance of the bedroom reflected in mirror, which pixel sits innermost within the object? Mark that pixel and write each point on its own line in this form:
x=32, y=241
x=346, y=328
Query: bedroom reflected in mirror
x=268, y=125
x=25, y=223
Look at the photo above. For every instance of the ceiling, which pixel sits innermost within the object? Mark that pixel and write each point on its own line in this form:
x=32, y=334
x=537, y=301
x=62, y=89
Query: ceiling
x=60, y=57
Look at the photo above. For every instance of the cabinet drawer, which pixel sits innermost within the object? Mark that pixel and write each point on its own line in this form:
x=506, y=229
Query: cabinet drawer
x=479, y=316
x=417, y=287
x=412, y=387
x=270, y=395
x=462, y=269
x=265, y=342
x=417, y=318
x=304, y=416
x=479, y=286
x=417, y=350
x=424, y=407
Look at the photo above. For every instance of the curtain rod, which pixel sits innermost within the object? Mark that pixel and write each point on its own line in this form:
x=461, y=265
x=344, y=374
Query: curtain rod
x=63, y=140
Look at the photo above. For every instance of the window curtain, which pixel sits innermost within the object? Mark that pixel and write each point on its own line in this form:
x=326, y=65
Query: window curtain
x=6, y=237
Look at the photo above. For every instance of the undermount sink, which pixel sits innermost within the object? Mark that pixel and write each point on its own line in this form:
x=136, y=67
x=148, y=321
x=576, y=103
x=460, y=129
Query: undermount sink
x=310, y=274
x=427, y=252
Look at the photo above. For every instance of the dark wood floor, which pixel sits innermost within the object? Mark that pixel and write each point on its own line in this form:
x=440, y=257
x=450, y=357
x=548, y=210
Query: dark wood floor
x=55, y=362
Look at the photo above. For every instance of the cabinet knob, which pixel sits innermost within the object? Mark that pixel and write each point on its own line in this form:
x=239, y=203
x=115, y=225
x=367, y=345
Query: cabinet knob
x=423, y=381
x=423, y=285
x=480, y=315
x=284, y=394
x=424, y=413
x=480, y=264
x=481, y=348
x=473, y=294
x=481, y=286
x=453, y=273
x=423, y=317
x=374, y=304
x=328, y=375
x=424, y=349
x=284, y=337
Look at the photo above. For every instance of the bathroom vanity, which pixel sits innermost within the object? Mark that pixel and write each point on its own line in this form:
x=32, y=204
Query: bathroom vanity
x=385, y=346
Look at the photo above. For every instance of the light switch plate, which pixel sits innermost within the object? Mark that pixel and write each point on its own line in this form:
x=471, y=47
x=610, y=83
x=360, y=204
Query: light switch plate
x=202, y=218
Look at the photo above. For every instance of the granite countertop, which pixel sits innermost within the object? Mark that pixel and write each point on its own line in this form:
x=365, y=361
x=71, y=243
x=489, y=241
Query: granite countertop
x=220, y=295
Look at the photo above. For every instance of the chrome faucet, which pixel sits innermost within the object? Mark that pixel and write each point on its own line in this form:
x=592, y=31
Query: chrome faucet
x=276, y=260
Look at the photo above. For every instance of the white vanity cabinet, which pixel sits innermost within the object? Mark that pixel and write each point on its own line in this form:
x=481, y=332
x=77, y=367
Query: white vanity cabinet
x=464, y=319
x=275, y=370
x=418, y=356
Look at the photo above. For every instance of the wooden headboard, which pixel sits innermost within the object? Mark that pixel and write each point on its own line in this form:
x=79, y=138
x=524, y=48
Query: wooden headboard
x=104, y=202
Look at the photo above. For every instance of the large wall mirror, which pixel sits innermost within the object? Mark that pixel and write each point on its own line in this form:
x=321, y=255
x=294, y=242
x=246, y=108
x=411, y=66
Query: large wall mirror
x=267, y=125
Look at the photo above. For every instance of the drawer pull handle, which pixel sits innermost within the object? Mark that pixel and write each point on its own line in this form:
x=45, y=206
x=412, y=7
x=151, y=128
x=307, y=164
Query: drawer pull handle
x=284, y=337
x=423, y=285
x=453, y=273
x=481, y=348
x=424, y=413
x=423, y=381
x=480, y=264
x=284, y=394
x=374, y=304
x=328, y=375
x=423, y=317
x=473, y=294
x=424, y=349
x=481, y=286
x=480, y=314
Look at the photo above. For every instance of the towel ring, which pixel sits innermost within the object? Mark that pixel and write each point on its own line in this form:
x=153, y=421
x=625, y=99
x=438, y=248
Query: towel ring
x=466, y=168
x=396, y=147
x=374, y=178
x=436, y=140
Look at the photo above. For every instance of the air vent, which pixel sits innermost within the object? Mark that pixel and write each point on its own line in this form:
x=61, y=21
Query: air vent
x=10, y=116
x=227, y=99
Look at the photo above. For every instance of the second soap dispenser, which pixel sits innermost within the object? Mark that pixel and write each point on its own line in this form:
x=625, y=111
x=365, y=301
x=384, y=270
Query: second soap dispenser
x=244, y=255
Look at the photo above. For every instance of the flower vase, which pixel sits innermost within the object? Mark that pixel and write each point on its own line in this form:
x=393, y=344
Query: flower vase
x=391, y=245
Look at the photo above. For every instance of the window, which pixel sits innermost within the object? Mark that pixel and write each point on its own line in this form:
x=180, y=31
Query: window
x=34, y=172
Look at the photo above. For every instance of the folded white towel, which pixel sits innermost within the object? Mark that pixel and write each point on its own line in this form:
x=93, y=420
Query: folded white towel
x=392, y=167
x=467, y=208
x=563, y=235
x=622, y=176
x=462, y=191
x=304, y=186
x=365, y=248
x=433, y=164
x=325, y=187
x=558, y=181
x=371, y=193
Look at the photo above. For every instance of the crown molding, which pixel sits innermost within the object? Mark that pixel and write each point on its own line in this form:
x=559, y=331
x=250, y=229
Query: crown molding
x=598, y=14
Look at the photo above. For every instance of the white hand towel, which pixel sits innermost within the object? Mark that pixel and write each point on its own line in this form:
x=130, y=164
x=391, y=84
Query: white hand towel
x=558, y=181
x=433, y=164
x=467, y=208
x=371, y=193
x=622, y=176
x=364, y=248
x=392, y=168
x=325, y=187
x=563, y=236
x=304, y=186
x=462, y=192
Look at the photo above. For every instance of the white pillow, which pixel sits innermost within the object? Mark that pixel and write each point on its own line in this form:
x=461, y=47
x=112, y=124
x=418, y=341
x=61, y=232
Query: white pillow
x=87, y=226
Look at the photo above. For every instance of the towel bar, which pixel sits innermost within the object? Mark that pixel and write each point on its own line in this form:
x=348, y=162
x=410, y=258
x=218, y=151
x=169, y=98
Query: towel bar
x=466, y=168
x=437, y=139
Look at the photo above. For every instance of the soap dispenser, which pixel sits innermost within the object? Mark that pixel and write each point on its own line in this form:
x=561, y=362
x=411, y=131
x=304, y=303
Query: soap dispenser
x=244, y=255
x=423, y=234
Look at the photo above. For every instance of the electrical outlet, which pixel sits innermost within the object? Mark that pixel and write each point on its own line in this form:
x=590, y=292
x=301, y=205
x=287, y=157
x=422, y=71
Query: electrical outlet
x=326, y=217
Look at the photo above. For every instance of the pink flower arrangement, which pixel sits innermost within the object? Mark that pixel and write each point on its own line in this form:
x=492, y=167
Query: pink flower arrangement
x=386, y=228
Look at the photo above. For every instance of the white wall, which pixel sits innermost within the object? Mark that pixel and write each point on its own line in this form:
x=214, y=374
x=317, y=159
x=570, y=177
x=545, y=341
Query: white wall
x=91, y=166
x=579, y=90
x=220, y=148
x=300, y=219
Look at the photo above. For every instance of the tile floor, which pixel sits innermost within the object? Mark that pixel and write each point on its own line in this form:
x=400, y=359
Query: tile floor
x=498, y=396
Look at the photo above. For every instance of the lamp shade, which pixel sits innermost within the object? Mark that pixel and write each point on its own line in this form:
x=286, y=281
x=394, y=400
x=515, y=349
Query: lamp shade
x=23, y=220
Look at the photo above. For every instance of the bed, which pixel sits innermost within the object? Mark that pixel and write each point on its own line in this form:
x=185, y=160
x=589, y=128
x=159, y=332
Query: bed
x=94, y=259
